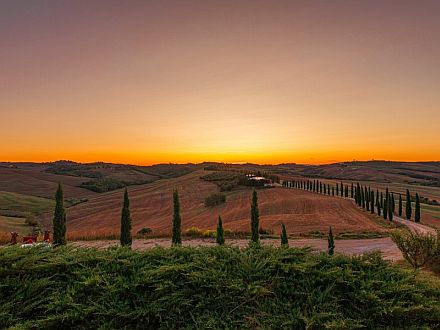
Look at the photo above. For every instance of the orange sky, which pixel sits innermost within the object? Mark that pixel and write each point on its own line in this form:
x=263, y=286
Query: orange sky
x=187, y=81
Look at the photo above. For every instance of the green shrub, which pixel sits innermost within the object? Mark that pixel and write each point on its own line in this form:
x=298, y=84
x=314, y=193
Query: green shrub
x=418, y=249
x=217, y=287
x=144, y=231
x=215, y=199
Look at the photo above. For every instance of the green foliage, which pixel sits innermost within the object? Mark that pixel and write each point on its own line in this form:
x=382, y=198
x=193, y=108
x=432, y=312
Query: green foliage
x=220, y=239
x=417, y=211
x=144, y=231
x=59, y=218
x=103, y=185
x=284, y=238
x=408, y=209
x=177, y=221
x=390, y=208
x=217, y=287
x=125, y=237
x=215, y=199
x=255, y=218
x=400, y=205
x=331, y=242
x=418, y=249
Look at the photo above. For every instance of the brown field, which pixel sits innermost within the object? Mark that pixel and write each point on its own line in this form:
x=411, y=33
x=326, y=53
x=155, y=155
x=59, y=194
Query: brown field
x=30, y=180
x=151, y=206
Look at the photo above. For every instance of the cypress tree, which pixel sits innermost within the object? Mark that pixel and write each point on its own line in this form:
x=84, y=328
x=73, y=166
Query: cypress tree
x=352, y=193
x=284, y=239
x=325, y=189
x=342, y=189
x=393, y=203
x=337, y=190
x=220, y=239
x=331, y=242
x=255, y=219
x=372, y=201
x=400, y=205
x=367, y=199
x=125, y=236
x=176, y=239
x=59, y=218
x=328, y=188
x=417, y=211
x=386, y=204
x=346, y=191
x=390, y=209
x=408, y=205
x=333, y=191
x=358, y=191
x=381, y=200
x=362, y=198
x=378, y=206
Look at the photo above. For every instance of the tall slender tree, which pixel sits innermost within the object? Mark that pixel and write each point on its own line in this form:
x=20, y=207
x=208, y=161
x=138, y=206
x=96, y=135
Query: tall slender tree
x=400, y=205
x=125, y=236
x=367, y=199
x=331, y=242
x=417, y=211
x=390, y=209
x=362, y=198
x=408, y=205
x=352, y=193
x=220, y=239
x=372, y=201
x=393, y=203
x=386, y=204
x=176, y=239
x=284, y=239
x=59, y=218
x=255, y=218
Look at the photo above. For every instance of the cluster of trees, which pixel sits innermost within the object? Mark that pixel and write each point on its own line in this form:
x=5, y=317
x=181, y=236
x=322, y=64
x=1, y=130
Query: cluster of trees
x=320, y=187
x=365, y=197
x=215, y=199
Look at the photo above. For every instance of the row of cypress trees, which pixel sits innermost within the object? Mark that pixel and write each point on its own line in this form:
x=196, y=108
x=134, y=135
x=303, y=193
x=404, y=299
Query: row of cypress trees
x=59, y=223
x=364, y=197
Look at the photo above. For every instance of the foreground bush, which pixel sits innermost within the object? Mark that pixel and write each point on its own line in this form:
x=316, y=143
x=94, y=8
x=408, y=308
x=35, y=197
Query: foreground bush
x=417, y=248
x=219, y=287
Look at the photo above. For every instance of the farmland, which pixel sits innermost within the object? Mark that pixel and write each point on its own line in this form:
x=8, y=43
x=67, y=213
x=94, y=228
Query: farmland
x=302, y=212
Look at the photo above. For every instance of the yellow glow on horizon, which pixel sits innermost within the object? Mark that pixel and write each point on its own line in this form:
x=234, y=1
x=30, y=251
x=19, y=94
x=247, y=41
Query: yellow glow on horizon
x=220, y=81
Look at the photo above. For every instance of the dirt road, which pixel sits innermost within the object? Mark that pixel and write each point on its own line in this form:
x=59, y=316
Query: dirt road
x=417, y=227
x=349, y=247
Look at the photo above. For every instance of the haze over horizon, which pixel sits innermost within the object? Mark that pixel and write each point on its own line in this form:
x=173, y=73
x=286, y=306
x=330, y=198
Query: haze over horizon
x=148, y=82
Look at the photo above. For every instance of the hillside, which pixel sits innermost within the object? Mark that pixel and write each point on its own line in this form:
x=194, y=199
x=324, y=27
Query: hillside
x=151, y=206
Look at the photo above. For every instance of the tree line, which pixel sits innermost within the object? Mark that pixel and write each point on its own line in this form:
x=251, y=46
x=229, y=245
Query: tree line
x=382, y=203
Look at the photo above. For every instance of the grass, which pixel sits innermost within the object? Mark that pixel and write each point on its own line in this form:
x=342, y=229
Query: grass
x=220, y=287
x=16, y=208
x=25, y=203
x=8, y=224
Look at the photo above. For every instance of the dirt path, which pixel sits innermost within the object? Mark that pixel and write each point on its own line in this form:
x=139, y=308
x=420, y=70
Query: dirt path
x=349, y=247
x=417, y=227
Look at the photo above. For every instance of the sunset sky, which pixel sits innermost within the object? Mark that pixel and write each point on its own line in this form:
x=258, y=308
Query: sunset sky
x=187, y=81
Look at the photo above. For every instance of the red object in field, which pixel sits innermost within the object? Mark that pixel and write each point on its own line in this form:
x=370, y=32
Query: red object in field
x=14, y=236
x=29, y=239
x=46, y=236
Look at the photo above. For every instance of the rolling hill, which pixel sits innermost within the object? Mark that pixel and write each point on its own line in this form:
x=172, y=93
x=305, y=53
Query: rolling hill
x=151, y=206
